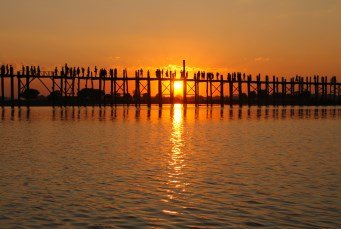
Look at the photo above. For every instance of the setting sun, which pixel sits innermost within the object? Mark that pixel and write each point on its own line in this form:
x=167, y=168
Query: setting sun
x=178, y=85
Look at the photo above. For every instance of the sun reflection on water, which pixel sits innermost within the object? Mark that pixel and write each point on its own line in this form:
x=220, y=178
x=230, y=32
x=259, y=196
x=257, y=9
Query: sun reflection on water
x=176, y=184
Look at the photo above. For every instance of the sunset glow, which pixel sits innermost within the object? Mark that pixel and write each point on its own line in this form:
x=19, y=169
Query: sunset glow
x=170, y=113
x=178, y=88
x=267, y=37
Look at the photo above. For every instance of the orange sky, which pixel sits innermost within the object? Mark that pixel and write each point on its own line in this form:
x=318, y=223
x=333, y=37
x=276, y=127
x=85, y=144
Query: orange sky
x=265, y=36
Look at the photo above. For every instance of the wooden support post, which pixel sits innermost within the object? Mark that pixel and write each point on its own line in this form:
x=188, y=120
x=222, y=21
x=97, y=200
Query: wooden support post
x=185, y=90
x=12, y=89
x=249, y=89
x=334, y=89
x=18, y=89
x=61, y=85
x=100, y=88
x=127, y=87
x=211, y=91
x=111, y=86
x=221, y=91
x=78, y=90
x=27, y=89
x=65, y=91
x=259, y=88
x=240, y=92
x=53, y=89
x=316, y=87
x=292, y=86
x=322, y=83
x=73, y=90
x=274, y=91
x=92, y=81
x=115, y=91
x=160, y=90
x=274, y=85
x=171, y=88
x=103, y=87
x=184, y=82
x=124, y=86
x=284, y=90
x=325, y=86
x=331, y=88
x=149, y=90
x=267, y=90
x=2, y=90
x=196, y=89
x=230, y=80
x=207, y=90
x=137, y=89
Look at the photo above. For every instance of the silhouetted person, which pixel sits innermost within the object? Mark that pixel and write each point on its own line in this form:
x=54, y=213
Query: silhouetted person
x=95, y=71
x=88, y=72
x=78, y=71
x=3, y=69
x=11, y=70
x=66, y=70
x=83, y=71
x=27, y=70
x=38, y=71
x=7, y=69
x=115, y=72
x=56, y=71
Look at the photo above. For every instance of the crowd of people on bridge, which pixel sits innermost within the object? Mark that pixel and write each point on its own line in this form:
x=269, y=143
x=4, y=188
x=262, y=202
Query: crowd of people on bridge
x=6, y=70
x=95, y=72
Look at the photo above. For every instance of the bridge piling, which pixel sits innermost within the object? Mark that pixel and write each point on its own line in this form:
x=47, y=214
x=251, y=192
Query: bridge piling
x=12, y=89
x=221, y=91
x=18, y=89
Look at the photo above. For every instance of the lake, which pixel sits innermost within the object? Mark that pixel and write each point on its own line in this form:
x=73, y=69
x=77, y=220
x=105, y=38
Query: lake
x=170, y=167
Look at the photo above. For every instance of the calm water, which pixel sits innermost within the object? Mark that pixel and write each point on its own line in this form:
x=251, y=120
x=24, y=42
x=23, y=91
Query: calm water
x=206, y=167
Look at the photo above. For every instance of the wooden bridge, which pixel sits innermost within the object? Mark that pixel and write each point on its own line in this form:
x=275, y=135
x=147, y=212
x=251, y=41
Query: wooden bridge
x=235, y=88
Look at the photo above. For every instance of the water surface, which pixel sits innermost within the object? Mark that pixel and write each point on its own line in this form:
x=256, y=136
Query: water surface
x=194, y=167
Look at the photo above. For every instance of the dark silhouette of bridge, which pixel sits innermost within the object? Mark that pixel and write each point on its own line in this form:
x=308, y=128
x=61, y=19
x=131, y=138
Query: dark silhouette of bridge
x=75, y=86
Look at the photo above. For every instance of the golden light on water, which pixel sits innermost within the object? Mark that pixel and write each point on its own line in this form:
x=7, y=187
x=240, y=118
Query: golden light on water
x=176, y=161
x=176, y=164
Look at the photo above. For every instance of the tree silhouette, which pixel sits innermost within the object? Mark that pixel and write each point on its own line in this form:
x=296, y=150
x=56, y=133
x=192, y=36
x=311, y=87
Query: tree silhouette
x=30, y=94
